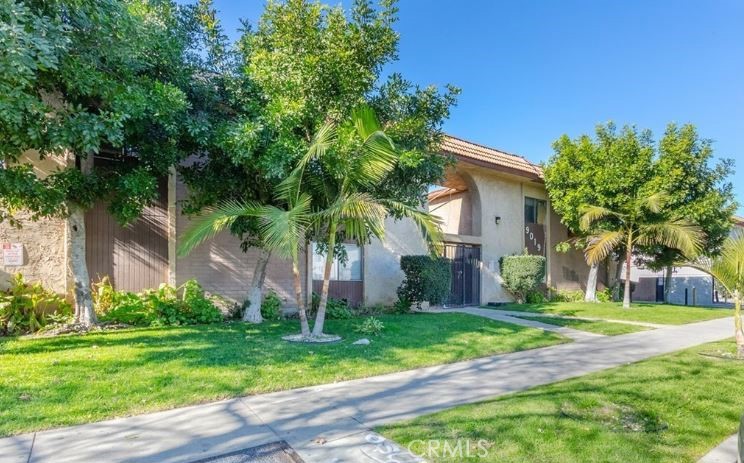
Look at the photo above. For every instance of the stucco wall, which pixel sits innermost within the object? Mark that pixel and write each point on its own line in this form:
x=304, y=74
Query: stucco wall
x=44, y=241
x=382, y=274
x=568, y=270
x=220, y=266
x=455, y=210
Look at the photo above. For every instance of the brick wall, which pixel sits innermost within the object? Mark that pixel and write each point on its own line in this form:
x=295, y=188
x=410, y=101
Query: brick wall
x=220, y=266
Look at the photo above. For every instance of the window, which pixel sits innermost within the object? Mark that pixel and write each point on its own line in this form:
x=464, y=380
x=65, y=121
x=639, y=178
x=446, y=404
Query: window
x=350, y=271
x=535, y=211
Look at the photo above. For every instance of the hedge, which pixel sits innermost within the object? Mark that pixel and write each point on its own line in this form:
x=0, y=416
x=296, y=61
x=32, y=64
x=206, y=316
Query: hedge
x=427, y=279
x=522, y=274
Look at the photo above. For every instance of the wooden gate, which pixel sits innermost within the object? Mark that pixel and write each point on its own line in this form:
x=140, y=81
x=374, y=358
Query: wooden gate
x=465, y=286
x=134, y=257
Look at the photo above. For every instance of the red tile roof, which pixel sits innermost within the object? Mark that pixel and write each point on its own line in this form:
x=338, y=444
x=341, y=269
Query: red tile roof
x=490, y=157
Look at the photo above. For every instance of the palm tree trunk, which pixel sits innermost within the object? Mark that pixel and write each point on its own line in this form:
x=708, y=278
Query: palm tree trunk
x=616, y=283
x=739, y=334
x=668, y=283
x=628, y=258
x=320, y=316
x=252, y=313
x=591, y=284
x=84, y=313
x=304, y=326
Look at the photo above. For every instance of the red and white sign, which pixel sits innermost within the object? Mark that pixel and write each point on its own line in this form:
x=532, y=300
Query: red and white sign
x=12, y=254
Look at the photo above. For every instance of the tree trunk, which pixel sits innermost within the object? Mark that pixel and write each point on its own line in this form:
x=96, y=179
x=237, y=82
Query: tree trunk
x=252, y=313
x=739, y=334
x=668, y=283
x=84, y=313
x=626, y=293
x=591, y=284
x=616, y=283
x=320, y=316
x=304, y=326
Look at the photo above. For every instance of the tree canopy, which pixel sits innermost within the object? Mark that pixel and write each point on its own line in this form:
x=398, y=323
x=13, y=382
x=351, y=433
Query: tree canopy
x=611, y=169
x=84, y=78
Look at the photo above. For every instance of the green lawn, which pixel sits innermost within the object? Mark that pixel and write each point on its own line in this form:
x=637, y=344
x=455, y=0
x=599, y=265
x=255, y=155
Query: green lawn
x=77, y=379
x=671, y=409
x=592, y=326
x=641, y=312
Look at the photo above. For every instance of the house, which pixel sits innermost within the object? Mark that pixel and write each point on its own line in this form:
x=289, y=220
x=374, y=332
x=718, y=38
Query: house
x=689, y=286
x=491, y=203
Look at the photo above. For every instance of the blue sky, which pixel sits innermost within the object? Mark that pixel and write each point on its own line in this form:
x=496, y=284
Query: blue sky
x=533, y=70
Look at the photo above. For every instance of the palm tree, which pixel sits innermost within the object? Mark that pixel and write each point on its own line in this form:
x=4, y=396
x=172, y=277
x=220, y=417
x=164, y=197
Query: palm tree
x=281, y=230
x=639, y=223
x=340, y=172
x=728, y=269
x=328, y=197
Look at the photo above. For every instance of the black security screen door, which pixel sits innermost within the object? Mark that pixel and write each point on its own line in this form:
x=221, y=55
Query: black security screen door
x=465, y=286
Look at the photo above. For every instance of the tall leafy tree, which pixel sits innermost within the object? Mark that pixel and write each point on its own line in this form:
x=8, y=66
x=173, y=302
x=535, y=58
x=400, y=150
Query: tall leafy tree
x=603, y=171
x=81, y=78
x=330, y=196
x=643, y=221
x=698, y=190
x=303, y=65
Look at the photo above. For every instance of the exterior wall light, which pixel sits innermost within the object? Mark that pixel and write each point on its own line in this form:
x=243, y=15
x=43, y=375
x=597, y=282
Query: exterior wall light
x=498, y=220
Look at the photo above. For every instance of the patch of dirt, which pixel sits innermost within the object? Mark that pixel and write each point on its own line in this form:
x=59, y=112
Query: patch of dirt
x=73, y=328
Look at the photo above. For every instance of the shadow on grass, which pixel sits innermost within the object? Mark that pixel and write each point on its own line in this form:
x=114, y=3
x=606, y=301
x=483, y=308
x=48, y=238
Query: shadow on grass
x=671, y=409
x=138, y=370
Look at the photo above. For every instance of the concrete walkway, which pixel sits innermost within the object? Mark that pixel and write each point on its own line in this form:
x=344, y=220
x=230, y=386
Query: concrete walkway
x=510, y=317
x=726, y=452
x=514, y=313
x=332, y=423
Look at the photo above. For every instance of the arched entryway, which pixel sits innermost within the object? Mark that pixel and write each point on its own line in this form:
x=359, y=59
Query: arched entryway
x=457, y=203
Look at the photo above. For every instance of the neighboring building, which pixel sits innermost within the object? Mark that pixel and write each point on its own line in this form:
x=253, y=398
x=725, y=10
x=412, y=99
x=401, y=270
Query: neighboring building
x=492, y=204
x=690, y=286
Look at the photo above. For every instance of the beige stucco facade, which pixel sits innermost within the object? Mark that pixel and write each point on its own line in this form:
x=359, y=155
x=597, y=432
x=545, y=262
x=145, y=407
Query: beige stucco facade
x=485, y=208
x=43, y=240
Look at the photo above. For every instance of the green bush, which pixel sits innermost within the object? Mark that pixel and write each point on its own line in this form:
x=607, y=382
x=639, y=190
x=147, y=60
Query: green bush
x=186, y=305
x=370, y=326
x=536, y=297
x=27, y=308
x=271, y=307
x=336, y=309
x=402, y=306
x=605, y=295
x=565, y=295
x=426, y=279
x=522, y=274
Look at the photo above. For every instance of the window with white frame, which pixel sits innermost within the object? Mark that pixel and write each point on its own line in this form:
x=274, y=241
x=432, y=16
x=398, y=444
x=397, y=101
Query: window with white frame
x=351, y=270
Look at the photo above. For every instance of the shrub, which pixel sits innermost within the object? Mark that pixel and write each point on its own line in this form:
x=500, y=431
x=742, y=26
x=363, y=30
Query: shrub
x=162, y=306
x=522, y=274
x=426, y=279
x=370, y=326
x=27, y=308
x=271, y=307
x=402, y=305
x=536, y=297
x=567, y=295
x=605, y=295
x=336, y=309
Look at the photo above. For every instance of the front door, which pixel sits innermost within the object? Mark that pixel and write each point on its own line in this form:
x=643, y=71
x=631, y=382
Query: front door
x=465, y=261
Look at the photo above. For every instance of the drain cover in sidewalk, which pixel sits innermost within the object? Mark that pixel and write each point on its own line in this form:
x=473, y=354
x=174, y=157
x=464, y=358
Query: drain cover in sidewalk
x=275, y=452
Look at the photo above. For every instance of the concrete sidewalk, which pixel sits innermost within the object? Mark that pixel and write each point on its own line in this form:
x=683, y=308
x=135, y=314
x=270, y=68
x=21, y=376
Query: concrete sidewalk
x=511, y=317
x=331, y=423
